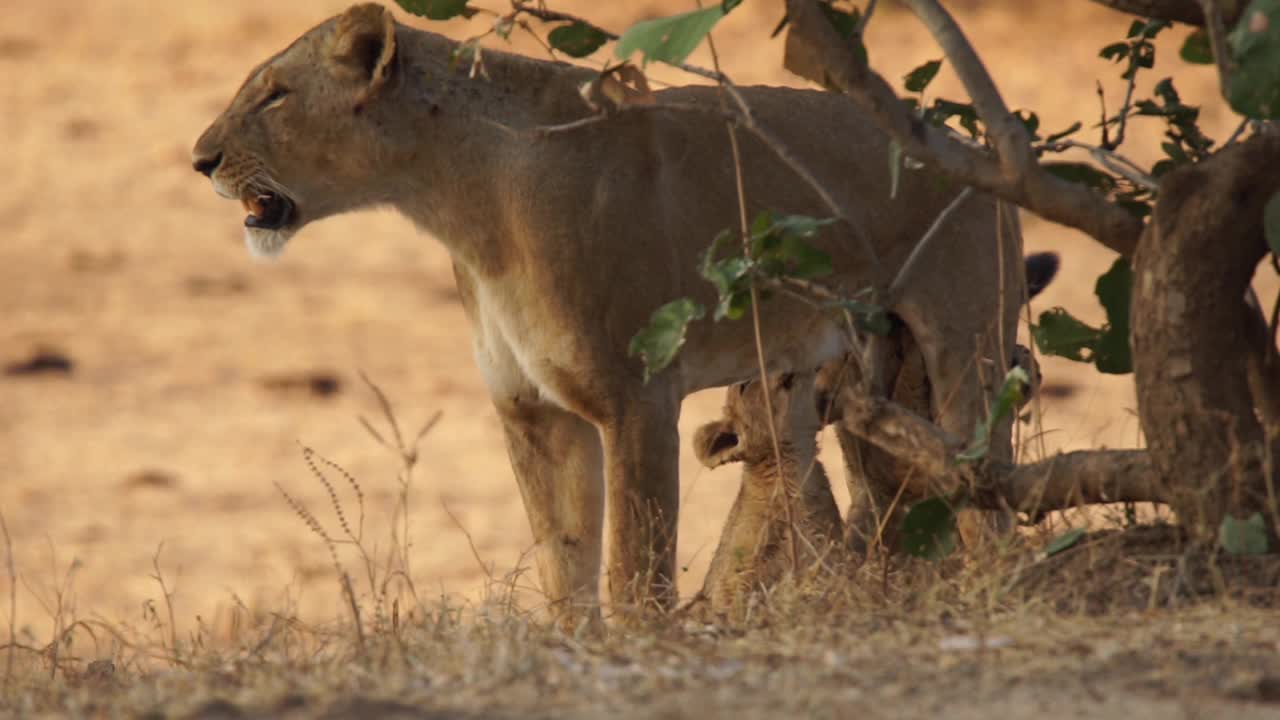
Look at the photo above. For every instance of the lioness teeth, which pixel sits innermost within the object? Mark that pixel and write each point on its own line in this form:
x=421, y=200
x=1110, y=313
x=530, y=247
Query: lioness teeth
x=256, y=205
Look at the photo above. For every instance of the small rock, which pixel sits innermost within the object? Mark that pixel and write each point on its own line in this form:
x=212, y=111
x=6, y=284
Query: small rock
x=42, y=362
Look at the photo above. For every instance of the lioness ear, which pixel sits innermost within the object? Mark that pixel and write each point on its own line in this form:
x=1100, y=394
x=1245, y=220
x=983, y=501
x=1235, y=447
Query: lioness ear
x=716, y=444
x=363, y=46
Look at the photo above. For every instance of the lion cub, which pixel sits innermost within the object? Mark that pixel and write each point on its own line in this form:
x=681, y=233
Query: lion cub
x=755, y=547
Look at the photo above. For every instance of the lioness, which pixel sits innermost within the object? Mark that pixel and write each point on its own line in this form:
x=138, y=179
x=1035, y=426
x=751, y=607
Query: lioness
x=564, y=243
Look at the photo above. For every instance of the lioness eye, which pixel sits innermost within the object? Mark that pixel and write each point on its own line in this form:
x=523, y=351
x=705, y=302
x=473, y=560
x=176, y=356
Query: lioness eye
x=275, y=98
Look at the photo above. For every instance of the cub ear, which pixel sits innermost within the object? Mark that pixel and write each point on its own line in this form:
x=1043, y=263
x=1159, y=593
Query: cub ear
x=716, y=444
x=363, y=47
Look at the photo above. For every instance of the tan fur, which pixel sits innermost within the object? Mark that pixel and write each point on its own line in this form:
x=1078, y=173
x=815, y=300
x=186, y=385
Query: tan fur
x=563, y=245
x=755, y=549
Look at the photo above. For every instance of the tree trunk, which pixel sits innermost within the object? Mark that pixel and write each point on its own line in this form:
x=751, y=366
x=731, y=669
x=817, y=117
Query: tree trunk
x=1196, y=342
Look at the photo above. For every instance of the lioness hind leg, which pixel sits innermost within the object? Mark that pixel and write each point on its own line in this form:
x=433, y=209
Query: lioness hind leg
x=642, y=452
x=558, y=463
x=962, y=397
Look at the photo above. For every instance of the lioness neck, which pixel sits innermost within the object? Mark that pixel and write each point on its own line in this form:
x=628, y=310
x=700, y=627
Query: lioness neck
x=453, y=141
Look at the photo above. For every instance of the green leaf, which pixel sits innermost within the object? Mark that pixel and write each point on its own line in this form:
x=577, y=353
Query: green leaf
x=1196, y=48
x=1244, y=537
x=1082, y=173
x=1114, y=290
x=1271, y=223
x=437, y=9
x=1060, y=334
x=943, y=110
x=1147, y=30
x=1006, y=402
x=917, y=80
x=778, y=246
x=577, y=39
x=726, y=274
x=1254, y=87
x=1115, y=51
x=1065, y=541
x=868, y=317
x=806, y=261
x=671, y=39
x=729, y=277
x=929, y=529
x=802, y=226
x=895, y=167
x=658, y=343
x=1030, y=122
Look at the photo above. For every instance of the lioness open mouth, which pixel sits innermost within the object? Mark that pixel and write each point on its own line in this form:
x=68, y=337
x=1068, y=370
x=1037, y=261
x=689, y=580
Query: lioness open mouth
x=267, y=210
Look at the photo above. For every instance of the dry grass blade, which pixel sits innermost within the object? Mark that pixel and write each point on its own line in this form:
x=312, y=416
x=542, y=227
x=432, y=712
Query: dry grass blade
x=470, y=542
x=309, y=519
x=13, y=602
x=310, y=456
x=426, y=428
x=387, y=412
x=168, y=598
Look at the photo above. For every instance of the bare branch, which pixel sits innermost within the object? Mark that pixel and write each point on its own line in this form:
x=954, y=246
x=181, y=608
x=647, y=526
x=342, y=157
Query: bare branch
x=1111, y=160
x=815, y=50
x=866, y=17
x=1063, y=481
x=1217, y=41
x=904, y=273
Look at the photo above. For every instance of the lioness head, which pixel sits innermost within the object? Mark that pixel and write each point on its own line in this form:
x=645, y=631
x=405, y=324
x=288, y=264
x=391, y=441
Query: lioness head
x=296, y=143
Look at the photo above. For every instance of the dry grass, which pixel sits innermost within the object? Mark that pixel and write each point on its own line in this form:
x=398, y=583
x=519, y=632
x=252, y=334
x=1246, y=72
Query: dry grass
x=917, y=638
x=1125, y=622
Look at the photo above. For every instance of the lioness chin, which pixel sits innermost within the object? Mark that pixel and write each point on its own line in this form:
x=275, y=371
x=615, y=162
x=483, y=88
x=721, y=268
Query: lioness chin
x=564, y=243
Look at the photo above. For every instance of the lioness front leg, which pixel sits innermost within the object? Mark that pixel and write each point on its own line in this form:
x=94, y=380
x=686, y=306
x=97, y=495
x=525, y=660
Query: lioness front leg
x=642, y=450
x=557, y=460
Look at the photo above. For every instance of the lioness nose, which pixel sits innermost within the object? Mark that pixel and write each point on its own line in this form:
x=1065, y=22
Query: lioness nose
x=206, y=165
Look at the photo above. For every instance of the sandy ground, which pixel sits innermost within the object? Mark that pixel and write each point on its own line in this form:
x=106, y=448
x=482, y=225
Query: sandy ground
x=183, y=409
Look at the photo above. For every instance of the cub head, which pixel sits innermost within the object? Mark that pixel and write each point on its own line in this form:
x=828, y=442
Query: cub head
x=742, y=432
x=298, y=142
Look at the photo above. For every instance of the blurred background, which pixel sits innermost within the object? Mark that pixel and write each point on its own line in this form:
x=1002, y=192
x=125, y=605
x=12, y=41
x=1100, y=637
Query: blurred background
x=156, y=382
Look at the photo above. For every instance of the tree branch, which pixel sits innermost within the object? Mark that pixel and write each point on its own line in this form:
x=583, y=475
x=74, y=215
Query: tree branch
x=1183, y=11
x=1217, y=32
x=816, y=51
x=1010, y=137
x=1063, y=481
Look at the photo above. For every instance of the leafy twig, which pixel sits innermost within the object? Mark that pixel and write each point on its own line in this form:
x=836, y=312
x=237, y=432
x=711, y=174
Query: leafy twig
x=1013, y=175
x=1109, y=159
x=745, y=228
